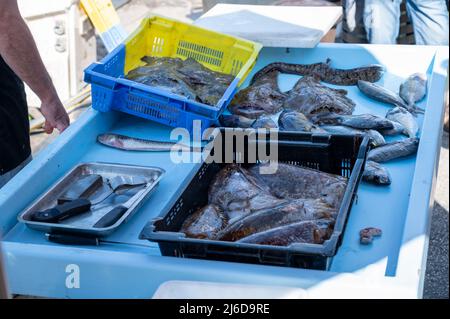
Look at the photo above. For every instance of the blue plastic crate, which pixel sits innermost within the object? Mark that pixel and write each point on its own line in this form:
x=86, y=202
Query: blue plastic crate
x=111, y=91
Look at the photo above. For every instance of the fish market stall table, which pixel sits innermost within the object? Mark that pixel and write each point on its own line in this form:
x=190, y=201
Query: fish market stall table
x=123, y=266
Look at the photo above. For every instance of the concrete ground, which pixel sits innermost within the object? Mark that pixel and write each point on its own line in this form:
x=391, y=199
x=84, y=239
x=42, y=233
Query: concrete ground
x=437, y=273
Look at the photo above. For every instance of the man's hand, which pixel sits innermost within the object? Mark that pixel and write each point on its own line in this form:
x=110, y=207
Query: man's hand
x=55, y=115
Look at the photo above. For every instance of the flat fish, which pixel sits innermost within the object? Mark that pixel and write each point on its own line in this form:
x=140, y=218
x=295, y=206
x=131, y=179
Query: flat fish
x=263, y=97
x=310, y=231
x=227, y=120
x=380, y=93
x=204, y=223
x=209, y=85
x=413, y=89
x=394, y=150
x=366, y=235
x=294, y=182
x=129, y=143
x=311, y=98
x=406, y=119
x=238, y=194
x=264, y=122
x=396, y=130
x=286, y=213
x=295, y=121
x=325, y=72
x=376, y=174
x=360, y=121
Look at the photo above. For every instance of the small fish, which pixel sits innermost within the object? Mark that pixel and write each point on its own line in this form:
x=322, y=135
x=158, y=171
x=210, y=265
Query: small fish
x=397, y=130
x=413, y=89
x=264, y=122
x=376, y=174
x=227, y=120
x=290, y=120
x=366, y=235
x=379, y=93
x=406, y=119
x=394, y=150
x=360, y=121
x=128, y=143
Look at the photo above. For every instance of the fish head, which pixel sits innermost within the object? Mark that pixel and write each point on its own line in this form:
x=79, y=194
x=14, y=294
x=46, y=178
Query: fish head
x=110, y=140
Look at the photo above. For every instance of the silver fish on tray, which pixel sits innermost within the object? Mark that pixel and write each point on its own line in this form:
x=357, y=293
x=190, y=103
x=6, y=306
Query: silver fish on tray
x=379, y=93
x=394, y=150
x=405, y=118
x=129, y=143
x=413, y=89
x=376, y=174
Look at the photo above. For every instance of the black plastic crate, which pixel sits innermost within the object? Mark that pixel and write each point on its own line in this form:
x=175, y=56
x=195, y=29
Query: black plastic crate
x=338, y=154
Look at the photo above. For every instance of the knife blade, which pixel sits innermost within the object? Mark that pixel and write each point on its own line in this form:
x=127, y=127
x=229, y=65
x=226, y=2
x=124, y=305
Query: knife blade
x=111, y=217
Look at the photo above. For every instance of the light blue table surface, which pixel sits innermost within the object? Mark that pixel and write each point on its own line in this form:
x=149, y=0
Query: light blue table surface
x=124, y=266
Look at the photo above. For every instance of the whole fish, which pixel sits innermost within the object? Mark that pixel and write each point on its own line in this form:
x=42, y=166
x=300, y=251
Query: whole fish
x=128, y=143
x=238, y=194
x=413, y=89
x=204, y=223
x=290, y=120
x=398, y=129
x=325, y=72
x=310, y=97
x=310, y=231
x=264, y=122
x=376, y=174
x=360, y=121
x=286, y=213
x=394, y=150
x=406, y=119
x=232, y=120
x=263, y=97
x=379, y=93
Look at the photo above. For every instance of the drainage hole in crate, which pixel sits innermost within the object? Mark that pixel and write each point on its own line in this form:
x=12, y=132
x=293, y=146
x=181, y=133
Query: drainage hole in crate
x=158, y=45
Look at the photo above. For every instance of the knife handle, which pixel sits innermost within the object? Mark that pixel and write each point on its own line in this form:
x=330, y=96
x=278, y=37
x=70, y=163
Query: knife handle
x=111, y=217
x=63, y=211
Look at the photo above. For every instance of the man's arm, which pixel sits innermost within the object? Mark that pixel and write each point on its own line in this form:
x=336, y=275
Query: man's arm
x=18, y=49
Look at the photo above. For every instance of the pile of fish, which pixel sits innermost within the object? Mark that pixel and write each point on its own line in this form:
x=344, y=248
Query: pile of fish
x=187, y=78
x=294, y=205
x=311, y=106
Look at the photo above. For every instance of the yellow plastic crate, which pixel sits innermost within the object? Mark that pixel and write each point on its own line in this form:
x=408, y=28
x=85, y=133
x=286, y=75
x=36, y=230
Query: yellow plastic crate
x=163, y=37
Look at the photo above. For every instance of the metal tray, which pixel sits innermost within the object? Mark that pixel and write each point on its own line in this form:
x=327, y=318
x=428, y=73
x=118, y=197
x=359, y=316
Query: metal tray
x=83, y=224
